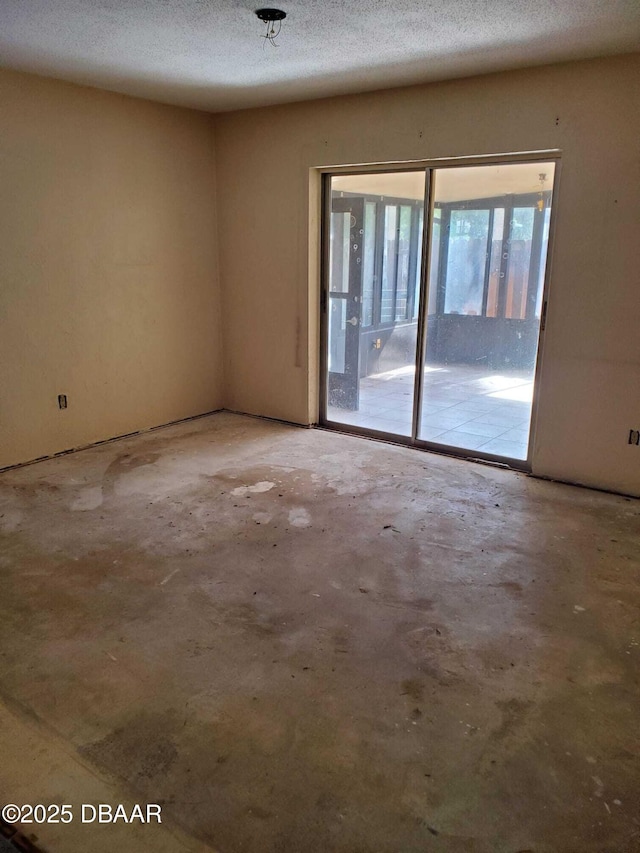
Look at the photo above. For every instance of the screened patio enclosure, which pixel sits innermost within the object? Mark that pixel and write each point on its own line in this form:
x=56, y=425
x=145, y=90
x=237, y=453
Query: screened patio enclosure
x=485, y=236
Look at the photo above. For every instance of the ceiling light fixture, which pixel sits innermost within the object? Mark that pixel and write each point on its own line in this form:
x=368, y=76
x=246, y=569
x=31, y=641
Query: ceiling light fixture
x=273, y=18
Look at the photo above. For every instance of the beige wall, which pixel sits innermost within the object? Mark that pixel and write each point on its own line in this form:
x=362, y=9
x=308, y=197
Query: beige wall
x=589, y=391
x=108, y=272
x=108, y=269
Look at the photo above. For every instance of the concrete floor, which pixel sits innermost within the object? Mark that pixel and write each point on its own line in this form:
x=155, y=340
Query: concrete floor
x=464, y=406
x=303, y=641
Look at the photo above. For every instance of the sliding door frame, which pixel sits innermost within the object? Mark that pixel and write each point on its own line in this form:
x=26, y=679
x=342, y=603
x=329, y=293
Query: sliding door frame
x=429, y=167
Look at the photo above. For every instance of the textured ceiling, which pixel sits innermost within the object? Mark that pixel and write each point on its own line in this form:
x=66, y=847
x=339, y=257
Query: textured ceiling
x=209, y=53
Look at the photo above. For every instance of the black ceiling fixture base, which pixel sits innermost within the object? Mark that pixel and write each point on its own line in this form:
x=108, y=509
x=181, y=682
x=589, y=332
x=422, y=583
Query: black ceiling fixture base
x=269, y=15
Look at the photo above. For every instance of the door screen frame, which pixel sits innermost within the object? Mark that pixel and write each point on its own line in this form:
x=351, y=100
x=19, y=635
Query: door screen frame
x=429, y=166
x=346, y=382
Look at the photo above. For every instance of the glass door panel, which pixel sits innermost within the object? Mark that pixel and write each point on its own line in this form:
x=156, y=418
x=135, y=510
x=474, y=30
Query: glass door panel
x=495, y=261
x=487, y=252
x=345, y=301
x=466, y=259
x=373, y=312
x=402, y=275
x=368, y=270
x=520, y=237
x=337, y=335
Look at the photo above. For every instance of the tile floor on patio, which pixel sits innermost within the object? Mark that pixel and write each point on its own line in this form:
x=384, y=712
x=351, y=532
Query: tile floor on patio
x=464, y=406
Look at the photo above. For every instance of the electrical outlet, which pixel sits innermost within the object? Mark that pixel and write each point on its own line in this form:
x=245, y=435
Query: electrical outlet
x=62, y=401
x=634, y=437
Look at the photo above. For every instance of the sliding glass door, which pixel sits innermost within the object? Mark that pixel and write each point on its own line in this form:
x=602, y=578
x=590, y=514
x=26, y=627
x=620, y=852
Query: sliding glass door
x=475, y=339
x=374, y=262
